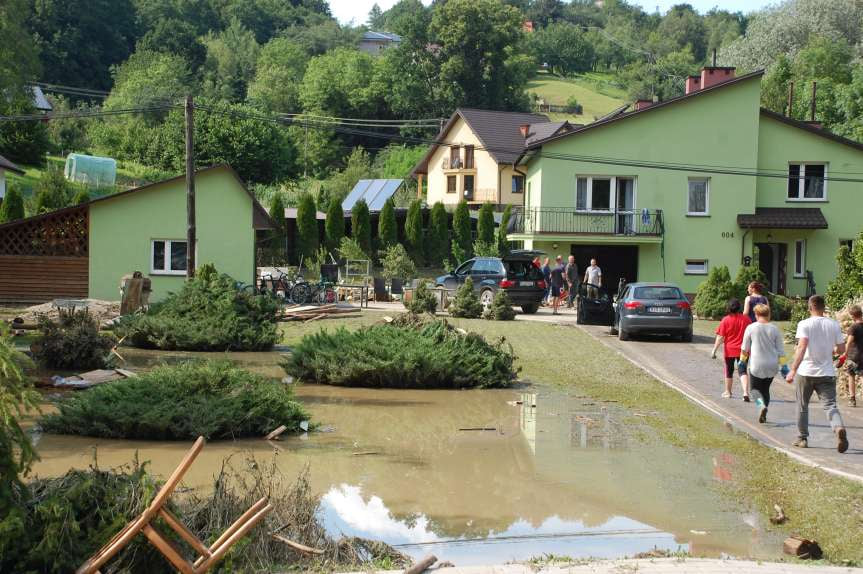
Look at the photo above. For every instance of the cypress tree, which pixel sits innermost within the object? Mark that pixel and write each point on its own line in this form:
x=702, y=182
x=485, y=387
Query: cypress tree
x=438, y=236
x=277, y=235
x=13, y=205
x=485, y=224
x=307, y=227
x=502, y=243
x=414, y=232
x=387, y=227
x=462, y=246
x=361, y=227
x=335, y=225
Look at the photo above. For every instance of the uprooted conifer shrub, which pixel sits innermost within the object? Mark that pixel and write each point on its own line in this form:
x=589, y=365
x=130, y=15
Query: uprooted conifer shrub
x=210, y=313
x=465, y=304
x=214, y=399
x=72, y=341
x=417, y=353
x=500, y=308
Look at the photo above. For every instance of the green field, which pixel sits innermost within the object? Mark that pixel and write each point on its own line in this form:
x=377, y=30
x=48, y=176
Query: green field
x=595, y=91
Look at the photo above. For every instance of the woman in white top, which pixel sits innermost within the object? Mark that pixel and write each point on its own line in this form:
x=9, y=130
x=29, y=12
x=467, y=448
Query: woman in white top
x=764, y=353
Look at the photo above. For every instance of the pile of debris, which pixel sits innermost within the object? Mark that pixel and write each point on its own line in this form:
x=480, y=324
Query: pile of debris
x=91, y=378
x=308, y=313
x=101, y=311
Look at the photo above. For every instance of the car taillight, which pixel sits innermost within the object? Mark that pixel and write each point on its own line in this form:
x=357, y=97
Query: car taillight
x=540, y=284
x=506, y=283
x=632, y=305
x=683, y=305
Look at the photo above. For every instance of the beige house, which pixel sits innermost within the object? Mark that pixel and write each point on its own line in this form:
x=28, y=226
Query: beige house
x=474, y=156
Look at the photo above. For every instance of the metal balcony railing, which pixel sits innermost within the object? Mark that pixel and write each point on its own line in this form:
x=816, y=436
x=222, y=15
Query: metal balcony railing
x=566, y=220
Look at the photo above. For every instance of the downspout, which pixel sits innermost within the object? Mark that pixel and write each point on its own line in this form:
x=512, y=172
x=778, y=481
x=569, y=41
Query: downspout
x=743, y=247
x=499, y=190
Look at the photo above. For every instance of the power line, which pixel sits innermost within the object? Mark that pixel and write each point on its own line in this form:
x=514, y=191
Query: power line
x=84, y=113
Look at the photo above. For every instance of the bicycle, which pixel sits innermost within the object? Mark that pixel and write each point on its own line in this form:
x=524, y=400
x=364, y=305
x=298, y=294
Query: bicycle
x=322, y=292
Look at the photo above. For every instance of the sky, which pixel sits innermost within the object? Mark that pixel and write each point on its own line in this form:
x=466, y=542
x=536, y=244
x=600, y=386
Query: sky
x=358, y=10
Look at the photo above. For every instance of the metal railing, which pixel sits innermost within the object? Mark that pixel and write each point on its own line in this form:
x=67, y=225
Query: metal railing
x=482, y=194
x=567, y=220
x=458, y=163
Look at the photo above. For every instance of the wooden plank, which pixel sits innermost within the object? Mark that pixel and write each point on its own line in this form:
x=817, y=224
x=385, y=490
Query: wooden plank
x=184, y=532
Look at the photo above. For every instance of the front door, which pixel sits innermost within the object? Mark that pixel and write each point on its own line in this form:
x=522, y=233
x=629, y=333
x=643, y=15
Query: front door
x=625, y=206
x=772, y=262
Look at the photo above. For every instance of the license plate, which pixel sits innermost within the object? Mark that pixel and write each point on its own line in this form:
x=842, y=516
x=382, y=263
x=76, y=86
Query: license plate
x=525, y=283
x=659, y=309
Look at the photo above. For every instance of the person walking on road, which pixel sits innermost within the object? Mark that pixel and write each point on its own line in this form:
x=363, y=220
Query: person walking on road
x=571, y=280
x=853, y=357
x=546, y=275
x=730, y=335
x=755, y=297
x=817, y=339
x=558, y=273
x=593, y=278
x=763, y=351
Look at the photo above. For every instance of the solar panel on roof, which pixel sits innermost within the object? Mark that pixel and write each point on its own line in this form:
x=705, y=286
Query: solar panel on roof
x=375, y=192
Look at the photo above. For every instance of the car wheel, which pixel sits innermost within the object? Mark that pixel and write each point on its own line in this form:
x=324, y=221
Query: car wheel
x=529, y=308
x=623, y=335
x=687, y=336
x=613, y=330
x=579, y=316
x=486, y=297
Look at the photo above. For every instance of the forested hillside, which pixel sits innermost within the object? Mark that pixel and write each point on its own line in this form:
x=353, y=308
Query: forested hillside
x=286, y=97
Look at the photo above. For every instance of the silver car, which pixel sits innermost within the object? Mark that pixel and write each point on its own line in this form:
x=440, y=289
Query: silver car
x=652, y=308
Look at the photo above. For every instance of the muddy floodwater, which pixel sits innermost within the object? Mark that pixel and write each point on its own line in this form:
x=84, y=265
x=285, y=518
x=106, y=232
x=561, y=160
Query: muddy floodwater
x=549, y=473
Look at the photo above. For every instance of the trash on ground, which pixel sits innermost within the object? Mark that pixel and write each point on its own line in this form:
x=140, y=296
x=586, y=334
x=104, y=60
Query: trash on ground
x=91, y=378
x=275, y=434
x=780, y=517
x=803, y=548
x=314, y=312
x=478, y=429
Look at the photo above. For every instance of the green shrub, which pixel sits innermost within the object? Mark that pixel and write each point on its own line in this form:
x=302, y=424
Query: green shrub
x=745, y=276
x=485, y=249
x=465, y=304
x=60, y=522
x=713, y=293
x=176, y=402
x=388, y=232
x=780, y=307
x=500, y=308
x=438, y=244
x=307, y=226
x=461, y=233
x=502, y=243
x=334, y=226
x=12, y=206
x=422, y=301
x=848, y=282
x=210, y=313
x=799, y=312
x=72, y=342
x=361, y=227
x=430, y=354
x=397, y=263
x=414, y=232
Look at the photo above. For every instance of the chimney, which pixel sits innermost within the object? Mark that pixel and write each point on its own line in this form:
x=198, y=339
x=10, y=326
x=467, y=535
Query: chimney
x=712, y=75
x=642, y=104
x=693, y=84
x=524, y=129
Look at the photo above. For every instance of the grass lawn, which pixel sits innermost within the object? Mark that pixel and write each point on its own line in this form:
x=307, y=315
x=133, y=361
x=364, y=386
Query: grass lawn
x=593, y=91
x=820, y=506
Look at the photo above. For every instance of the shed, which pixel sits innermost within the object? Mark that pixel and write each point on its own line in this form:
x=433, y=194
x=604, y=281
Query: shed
x=375, y=192
x=83, y=251
x=91, y=169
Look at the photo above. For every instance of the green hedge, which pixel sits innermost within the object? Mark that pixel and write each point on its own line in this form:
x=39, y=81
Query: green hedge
x=210, y=313
x=176, y=402
x=72, y=341
x=426, y=354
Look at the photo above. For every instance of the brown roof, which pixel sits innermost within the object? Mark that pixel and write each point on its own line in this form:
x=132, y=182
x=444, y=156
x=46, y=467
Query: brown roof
x=6, y=164
x=622, y=116
x=498, y=132
x=260, y=218
x=811, y=129
x=783, y=218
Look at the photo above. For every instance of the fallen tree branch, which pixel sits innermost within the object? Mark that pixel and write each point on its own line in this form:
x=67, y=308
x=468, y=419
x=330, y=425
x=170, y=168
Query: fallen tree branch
x=422, y=565
x=296, y=545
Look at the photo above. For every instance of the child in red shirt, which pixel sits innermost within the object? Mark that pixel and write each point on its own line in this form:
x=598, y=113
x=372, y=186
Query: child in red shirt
x=730, y=331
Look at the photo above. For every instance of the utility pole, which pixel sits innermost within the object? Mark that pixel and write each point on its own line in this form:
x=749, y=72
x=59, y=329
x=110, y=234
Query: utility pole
x=190, y=188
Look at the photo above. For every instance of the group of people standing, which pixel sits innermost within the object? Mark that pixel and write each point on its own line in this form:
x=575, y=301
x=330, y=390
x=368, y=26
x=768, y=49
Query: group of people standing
x=753, y=346
x=563, y=279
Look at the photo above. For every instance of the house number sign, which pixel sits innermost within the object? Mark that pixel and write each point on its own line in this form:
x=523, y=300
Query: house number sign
x=727, y=235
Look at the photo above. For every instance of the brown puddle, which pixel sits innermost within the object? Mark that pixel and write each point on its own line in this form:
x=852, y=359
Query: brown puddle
x=566, y=476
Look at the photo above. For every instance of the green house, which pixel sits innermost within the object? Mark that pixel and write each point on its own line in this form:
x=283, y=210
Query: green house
x=83, y=251
x=671, y=189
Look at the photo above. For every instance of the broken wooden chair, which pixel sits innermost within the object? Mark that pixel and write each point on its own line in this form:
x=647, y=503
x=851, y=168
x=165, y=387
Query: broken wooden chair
x=208, y=557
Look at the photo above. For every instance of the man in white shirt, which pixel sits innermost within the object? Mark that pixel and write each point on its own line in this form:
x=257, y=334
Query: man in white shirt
x=818, y=337
x=593, y=277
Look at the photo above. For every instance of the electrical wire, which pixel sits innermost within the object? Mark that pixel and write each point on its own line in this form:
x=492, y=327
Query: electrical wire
x=84, y=113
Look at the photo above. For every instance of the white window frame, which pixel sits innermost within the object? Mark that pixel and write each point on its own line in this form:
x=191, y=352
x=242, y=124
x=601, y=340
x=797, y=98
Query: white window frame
x=612, y=204
x=706, y=212
x=167, y=271
x=801, y=182
x=801, y=262
x=688, y=262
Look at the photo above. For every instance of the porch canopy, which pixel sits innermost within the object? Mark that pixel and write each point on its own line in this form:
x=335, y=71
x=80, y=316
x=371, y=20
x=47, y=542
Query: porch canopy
x=783, y=218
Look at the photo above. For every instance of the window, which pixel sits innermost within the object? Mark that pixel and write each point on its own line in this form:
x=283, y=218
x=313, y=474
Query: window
x=800, y=258
x=695, y=267
x=595, y=193
x=806, y=182
x=465, y=268
x=454, y=158
x=849, y=243
x=698, y=197
x=451, y=184
x=657, y=292
x=518, y=184
x=168, y=257
x=468, y=156
x=468, y=185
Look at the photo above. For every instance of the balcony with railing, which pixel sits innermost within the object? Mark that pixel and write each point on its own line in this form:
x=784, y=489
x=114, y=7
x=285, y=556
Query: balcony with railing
x=457, y=163
x=546, y=222
x=481, y=195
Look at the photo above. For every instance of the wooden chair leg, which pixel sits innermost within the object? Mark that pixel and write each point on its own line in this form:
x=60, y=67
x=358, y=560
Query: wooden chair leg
x=233, y=527
x=219, y=553
x=184, y=532
x=168, y=550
